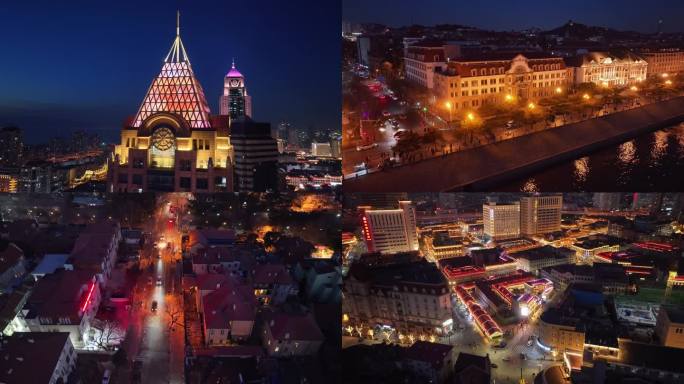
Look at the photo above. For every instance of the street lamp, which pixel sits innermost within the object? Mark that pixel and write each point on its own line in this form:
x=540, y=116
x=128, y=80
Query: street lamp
x=586, y=96
x=668, y=82
x=470, y=116
x=531, y=106
x=448, y=105
x=634, y=88
x=665, y=75
x=509, y=98
x=559, y=90
x=604, y=84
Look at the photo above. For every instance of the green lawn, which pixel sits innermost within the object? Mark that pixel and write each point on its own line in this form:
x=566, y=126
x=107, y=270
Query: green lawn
x=657, y=295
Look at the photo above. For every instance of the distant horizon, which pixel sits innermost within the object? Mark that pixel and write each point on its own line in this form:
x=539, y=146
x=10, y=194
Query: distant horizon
x=502, y=30
x=500, y=16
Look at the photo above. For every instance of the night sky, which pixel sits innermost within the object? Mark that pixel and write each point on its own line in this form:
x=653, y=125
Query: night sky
x=501, y=15
x=87, y=64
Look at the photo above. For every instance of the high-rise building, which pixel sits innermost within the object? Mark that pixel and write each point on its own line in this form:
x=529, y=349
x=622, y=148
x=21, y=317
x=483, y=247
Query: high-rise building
x=390, y=230
x=173, y=143
x=540, y=214
x=606, y=201
x=321, y=149
x=501, y=221
x=256, y=156
x=235, y=101
x=11, y=147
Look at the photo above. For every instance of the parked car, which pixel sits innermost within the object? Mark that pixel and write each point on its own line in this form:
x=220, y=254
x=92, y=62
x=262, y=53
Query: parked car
x=154, y=306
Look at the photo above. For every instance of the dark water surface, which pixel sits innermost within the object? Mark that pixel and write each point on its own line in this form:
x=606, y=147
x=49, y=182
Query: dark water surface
x=651, y=162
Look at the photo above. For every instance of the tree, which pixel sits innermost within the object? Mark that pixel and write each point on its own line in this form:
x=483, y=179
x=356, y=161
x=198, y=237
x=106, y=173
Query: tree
x=108, y=334
x=174, y=316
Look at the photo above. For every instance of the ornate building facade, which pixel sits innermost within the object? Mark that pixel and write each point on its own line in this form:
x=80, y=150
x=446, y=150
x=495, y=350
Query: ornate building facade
x=618, y=68
x=173, y=143
x=469, y=83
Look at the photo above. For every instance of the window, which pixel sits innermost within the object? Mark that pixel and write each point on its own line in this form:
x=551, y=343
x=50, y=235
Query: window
x=202, y=183
x=194, y=144
x=185, y=165
x=123, y=178
x=185, y=182
x=138, y=162
x=492, y=90
x=483, y=72
x=473, y=83
x=464, y=93
x=474, y=92
x=128, y=142
x=464, y=84
x=137, y=179
x=483, y=82
x=473, y=72
x=492, y=71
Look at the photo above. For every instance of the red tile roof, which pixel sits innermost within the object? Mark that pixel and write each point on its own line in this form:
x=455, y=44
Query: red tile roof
x=231, y=302
x=31, y=357
x=286, y=326
x=9, y=257
x=267, y=274
x=432, y=353
x=60, y=294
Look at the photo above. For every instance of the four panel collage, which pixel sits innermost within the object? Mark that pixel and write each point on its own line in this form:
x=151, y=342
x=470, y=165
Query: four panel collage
x=352, y=191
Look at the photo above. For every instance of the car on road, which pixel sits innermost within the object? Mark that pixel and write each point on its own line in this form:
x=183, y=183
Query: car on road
x=159, y=281
x=510, y=124
x=154, y=306
x=386, y=113
x=365, y=147
x=529, y=343
x=360, y=167
x=506, y=359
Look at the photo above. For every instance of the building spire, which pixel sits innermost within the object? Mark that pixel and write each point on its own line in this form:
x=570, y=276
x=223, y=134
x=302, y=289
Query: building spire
x=233, y=63
x=177, y=53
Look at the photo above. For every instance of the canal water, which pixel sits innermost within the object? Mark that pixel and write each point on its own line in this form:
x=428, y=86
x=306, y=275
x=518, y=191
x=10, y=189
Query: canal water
x=651, y=162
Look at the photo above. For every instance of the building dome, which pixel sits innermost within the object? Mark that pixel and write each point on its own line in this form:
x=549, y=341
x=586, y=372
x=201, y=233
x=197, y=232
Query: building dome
x=233, y=71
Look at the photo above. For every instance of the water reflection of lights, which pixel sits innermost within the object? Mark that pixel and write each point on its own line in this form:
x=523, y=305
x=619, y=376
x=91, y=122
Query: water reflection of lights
x=627, y=153
x=659, y=145
x=582, y=169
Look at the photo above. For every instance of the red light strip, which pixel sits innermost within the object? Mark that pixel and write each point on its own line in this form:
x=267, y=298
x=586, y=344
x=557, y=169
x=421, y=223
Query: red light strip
x=90, y=292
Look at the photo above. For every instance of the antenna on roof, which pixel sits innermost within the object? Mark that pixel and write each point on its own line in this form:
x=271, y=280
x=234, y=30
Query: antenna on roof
x=178, y=22
x=177, y=53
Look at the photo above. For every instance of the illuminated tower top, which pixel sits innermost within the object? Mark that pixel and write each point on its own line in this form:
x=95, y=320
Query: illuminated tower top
x=235, y=101
x=175, y=89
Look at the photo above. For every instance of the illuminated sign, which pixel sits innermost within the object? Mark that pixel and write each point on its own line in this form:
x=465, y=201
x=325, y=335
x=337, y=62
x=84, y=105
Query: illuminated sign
x=87, y=300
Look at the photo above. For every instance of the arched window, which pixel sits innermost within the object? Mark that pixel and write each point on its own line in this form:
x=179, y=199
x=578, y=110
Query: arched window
x=492, y=71
x=473, y=72
x=483, y=72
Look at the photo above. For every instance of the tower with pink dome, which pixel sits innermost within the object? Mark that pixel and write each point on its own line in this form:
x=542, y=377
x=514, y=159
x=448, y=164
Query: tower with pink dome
x=235, y=101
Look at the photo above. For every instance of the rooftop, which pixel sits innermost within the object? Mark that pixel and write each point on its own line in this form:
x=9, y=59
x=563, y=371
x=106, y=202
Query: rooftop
x=9, y=257
x=432, y=353
x=230, y=302
x=545, y=252
x=31, y=357
x=267, y=274
x=59, y=295
x=287, y=326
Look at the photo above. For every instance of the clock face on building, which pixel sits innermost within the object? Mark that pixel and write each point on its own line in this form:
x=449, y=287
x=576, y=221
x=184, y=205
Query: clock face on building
x=163, y=139
x=234, y=82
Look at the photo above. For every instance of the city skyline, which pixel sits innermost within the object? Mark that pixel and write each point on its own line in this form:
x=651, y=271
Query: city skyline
x=628, y=15
x=108, y=69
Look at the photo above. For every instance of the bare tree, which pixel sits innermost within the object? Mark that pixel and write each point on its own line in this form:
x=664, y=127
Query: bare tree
x=174, y=317
x=108, y=335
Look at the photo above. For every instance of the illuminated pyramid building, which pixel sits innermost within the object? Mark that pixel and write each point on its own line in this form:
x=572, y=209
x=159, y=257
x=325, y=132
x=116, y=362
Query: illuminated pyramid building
x=173, y=143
